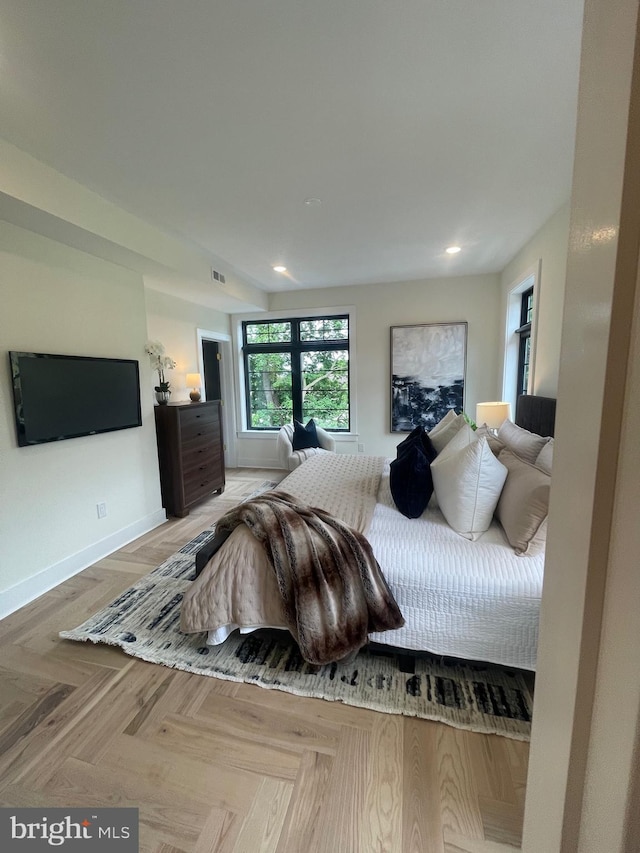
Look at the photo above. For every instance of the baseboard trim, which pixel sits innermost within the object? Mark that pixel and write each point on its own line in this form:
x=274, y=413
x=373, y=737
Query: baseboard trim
x=26, y=591
x=258, y=462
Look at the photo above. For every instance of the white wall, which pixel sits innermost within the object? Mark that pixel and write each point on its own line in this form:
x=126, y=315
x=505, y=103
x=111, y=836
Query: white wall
x=56, y=299
x=475, y=299
x=174, y=322
x=549, y=245
x=35, y=196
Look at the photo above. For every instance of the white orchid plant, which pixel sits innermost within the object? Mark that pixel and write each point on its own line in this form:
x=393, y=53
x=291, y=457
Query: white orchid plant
x=160, y=362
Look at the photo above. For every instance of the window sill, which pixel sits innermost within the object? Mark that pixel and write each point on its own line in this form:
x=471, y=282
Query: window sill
x=270, y=434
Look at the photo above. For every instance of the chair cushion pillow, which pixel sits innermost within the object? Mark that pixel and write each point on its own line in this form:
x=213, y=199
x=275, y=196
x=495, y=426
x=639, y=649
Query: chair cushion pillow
x=468, y=484
x=410, y=474
x=304, y=436
x=524, y=504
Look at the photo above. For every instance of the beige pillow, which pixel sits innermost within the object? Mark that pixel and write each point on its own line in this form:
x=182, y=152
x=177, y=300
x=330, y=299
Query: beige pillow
x=467, y=484
x=443, y=432
x=443, y=422
x=461, y=439
x=527, y=445
x=524, y=504
x=544, y=459
x=494, y=442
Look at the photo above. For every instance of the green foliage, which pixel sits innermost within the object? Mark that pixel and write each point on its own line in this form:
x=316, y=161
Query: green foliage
x=471, y=423
x=325, y=391
x=270, y=389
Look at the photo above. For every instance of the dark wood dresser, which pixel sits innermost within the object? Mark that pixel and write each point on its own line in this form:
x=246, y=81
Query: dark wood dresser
x=190, y=453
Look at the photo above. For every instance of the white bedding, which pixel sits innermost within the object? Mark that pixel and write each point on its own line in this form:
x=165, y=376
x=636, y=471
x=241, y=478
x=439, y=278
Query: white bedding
x=474, y=600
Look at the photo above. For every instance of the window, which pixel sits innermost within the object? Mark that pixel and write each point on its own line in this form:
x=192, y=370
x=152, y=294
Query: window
x=524, y=359
x=297, y=368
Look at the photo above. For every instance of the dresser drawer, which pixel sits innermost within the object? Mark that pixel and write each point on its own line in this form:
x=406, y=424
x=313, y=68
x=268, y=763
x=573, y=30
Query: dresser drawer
x=198, y=484
x=197, y=415
x=193, y=428
x=199, y=457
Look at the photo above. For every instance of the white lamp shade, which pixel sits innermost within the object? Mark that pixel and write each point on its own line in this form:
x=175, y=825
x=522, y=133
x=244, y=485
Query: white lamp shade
x=493, y=414
x=194, y=380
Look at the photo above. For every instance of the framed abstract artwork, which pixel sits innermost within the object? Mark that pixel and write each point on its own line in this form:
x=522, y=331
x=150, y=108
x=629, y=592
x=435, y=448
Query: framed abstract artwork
x=428, y=364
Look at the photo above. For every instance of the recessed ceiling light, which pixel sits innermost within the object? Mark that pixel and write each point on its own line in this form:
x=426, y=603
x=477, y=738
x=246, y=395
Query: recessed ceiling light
x=279, y=268
x=452, y=250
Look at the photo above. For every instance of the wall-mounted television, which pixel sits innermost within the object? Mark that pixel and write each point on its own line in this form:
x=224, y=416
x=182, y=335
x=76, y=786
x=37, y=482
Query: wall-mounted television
x=68, y=396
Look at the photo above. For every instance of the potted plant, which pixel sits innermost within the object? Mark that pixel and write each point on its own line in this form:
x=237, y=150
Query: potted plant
x=160, y=362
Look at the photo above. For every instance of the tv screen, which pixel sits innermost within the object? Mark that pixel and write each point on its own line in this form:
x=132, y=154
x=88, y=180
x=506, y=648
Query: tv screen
x=67, y=396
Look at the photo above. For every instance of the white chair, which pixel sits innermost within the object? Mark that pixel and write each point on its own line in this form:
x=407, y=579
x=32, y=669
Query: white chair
x=290, y=458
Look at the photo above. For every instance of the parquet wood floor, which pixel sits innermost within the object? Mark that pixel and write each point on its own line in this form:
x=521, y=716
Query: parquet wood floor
x=219, y=767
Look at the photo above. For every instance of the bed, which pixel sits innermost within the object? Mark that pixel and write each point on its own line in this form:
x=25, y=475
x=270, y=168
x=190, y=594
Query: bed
x=475, y=600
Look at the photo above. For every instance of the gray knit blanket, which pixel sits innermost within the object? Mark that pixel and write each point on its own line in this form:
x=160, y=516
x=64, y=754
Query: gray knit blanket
x=333, y=590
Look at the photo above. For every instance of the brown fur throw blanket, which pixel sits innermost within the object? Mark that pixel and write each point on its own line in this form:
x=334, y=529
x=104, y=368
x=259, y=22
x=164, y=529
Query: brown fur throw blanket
x=333, y=589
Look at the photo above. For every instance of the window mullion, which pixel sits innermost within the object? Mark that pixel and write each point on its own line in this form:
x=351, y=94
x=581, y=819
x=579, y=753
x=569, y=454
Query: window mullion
x=296, y=382
x=296, y=371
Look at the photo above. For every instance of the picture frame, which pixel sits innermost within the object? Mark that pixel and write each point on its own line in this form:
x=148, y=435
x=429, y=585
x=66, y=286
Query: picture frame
x=428, y=369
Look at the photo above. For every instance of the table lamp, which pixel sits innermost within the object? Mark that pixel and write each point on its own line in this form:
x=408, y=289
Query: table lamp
x=194, y=381
x=493, y=414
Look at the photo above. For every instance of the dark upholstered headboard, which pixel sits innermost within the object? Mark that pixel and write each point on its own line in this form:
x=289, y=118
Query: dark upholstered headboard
x=537, y=414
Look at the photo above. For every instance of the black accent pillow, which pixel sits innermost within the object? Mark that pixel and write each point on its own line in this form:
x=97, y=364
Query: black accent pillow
x=305, y=436
x=410, y=478
x=413, y=436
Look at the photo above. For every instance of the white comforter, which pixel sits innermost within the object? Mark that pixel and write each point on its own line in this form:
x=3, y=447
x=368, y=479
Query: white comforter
x=474, y=600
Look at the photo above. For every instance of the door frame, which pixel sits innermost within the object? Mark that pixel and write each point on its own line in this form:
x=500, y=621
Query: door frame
x=226, y=388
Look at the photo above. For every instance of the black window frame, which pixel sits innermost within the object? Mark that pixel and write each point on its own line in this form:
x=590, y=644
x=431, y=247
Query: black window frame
x=295, y=348
x=524, y=332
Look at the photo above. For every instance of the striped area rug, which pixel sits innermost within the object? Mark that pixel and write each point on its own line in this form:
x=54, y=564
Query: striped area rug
x=144, y=622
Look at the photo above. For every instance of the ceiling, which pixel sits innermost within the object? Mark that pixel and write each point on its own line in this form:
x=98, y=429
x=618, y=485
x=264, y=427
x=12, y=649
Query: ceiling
x=418, y=124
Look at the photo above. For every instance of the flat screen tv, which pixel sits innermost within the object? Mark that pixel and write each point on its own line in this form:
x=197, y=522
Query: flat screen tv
x=68, y=396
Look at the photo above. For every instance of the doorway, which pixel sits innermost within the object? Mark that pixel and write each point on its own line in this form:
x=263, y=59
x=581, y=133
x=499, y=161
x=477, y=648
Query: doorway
x=215, y=362
x=211, y=358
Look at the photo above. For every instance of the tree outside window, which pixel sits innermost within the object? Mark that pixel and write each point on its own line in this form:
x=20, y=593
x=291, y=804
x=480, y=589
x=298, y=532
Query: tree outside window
x=297, y=369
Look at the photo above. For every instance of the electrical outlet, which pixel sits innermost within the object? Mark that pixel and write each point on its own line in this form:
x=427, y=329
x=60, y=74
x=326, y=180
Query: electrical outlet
x=361, y=448
x=102, y=509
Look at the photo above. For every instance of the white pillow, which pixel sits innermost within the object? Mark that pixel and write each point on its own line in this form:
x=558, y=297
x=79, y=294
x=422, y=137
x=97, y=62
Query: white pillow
x=463, y=438
x=443, y=432
x=468, y=486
